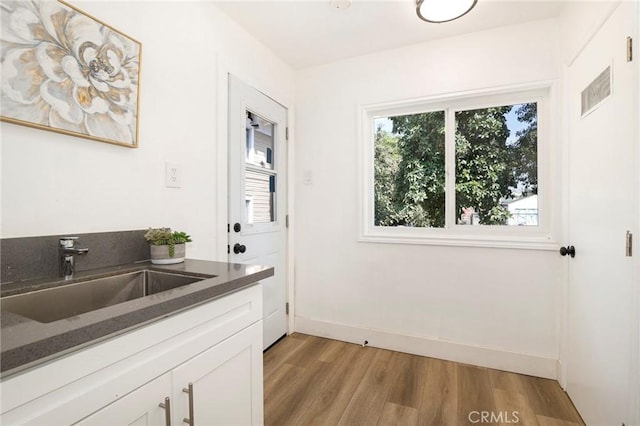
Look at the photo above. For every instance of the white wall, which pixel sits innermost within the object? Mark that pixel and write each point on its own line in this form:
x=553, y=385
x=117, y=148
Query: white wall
x=52, y=183
x=493, y=307
x=580, y=22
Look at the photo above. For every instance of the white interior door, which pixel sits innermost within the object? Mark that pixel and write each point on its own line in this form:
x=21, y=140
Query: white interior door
x=603, y=186
x=257, y=195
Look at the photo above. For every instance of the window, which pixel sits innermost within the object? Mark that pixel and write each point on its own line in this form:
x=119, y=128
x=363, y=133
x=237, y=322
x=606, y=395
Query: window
x=260, y=176
x=464, y=170
x=409, y=170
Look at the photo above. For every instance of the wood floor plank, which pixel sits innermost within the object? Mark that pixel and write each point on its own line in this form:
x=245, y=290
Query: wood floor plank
x=277, y=390
x=279, y=353
x=506, y=381
x=510, y=399
x=547, y=399
x=439, y=404
x=331, y=403
x=308, y=351
x=409, y=381
x=301, y=390
x=300, y=394
x=368, y=400
x=320, y=375
x=549, y=421
x=334, y=350
x=398, y=415
x=511, y=407
x=474, y=393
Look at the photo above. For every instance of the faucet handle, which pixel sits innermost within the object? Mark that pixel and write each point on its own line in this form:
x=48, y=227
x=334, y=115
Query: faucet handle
x=67, y=242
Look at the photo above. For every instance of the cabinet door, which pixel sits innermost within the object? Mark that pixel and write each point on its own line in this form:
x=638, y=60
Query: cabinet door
x=227, y=382
x=140, y=407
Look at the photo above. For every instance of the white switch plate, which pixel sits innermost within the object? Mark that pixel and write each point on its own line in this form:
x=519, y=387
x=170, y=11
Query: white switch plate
x=307, y=178
x=173, y=175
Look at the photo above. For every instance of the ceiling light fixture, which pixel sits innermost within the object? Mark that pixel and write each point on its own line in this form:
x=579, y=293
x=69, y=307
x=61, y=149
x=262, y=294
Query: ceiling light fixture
x=443, y=10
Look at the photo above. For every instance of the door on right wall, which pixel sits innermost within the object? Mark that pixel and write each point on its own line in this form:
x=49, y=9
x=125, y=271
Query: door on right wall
x=602, y=313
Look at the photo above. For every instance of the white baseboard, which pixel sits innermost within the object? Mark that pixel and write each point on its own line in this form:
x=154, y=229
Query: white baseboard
x=531, y=365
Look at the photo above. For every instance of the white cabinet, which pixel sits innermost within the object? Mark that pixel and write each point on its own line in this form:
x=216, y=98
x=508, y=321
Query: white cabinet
x=226, y=383
x=225, y=380
x=217, y=347
x=139, y=408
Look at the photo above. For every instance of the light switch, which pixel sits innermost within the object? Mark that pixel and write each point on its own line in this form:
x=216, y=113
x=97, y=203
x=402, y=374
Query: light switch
x=307, y=178
x=173, y=175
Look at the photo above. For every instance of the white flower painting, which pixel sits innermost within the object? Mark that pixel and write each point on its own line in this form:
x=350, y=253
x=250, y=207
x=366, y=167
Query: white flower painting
x=67, y=72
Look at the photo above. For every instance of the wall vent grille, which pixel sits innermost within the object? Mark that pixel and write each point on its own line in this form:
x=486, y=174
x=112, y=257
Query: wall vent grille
x=596, y=92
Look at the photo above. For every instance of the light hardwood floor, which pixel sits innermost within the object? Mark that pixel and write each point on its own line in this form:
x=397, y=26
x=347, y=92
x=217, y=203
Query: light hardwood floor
x=314, y=381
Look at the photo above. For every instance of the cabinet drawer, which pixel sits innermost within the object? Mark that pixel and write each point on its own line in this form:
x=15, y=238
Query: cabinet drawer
x=140, y=407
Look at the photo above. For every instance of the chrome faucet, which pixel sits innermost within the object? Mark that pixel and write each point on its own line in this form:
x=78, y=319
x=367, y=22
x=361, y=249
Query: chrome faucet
x=66, y=252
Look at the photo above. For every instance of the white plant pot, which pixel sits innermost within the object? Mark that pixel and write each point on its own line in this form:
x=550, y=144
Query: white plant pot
x=160, y=254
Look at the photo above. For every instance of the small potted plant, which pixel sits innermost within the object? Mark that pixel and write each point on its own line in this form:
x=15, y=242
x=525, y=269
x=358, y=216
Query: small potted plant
x=167, y=246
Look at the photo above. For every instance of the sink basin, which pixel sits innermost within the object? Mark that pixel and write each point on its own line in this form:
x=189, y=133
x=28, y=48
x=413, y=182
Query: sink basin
x=69, y=300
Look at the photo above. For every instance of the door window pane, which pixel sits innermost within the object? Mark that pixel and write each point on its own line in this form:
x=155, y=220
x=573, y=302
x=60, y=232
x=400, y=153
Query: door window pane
x=260, y=175
x=409, y=170
x=260, y=141
x=496, y=166
x=260, y=196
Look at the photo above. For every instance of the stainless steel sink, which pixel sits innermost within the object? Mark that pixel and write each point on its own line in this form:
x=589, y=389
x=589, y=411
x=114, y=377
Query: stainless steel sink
x=69, y=300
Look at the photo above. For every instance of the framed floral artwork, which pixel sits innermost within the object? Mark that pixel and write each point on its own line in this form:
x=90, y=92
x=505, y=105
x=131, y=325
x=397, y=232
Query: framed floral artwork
x=65, y=71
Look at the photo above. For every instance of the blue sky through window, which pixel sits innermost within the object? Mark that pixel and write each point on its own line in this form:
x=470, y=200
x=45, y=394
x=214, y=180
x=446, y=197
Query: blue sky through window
x=513, y=124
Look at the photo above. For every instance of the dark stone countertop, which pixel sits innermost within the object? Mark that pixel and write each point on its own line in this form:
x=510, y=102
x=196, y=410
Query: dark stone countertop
x=26, y=343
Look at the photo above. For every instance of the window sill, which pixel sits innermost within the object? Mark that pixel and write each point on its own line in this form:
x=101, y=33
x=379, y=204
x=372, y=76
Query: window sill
x=528, y=242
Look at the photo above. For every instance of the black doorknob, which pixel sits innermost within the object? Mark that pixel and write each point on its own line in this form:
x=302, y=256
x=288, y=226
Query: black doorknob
x=239, y=248
x=237, y=227
x=569, y=250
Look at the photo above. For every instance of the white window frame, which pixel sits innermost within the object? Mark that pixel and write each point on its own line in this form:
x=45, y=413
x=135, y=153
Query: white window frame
x=539, y=237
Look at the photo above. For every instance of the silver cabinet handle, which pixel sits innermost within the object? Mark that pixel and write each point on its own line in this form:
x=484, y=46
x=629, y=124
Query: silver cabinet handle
x=167, y=410
x=189, y=420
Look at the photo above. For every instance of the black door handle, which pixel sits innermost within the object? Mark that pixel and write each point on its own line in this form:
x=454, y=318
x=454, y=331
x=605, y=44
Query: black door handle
x=239, y=248
x=237, y=227
x=569, y=250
